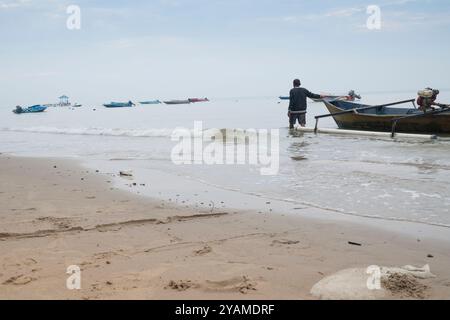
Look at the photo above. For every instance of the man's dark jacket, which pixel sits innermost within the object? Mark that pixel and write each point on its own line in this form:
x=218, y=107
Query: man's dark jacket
x=297, y=99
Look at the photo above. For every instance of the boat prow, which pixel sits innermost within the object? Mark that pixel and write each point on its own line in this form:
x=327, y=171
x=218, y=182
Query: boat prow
x=195, y=100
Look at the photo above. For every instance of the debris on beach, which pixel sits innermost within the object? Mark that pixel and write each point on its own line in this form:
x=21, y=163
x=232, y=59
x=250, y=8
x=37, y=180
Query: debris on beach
x=354, y=243
x=126, y=173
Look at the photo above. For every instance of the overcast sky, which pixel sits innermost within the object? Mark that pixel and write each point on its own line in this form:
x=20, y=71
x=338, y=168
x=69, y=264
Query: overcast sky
x=218, y=48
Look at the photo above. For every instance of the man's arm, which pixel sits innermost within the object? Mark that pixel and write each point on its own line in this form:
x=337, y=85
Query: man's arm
x=291, y=100
x=313, y=95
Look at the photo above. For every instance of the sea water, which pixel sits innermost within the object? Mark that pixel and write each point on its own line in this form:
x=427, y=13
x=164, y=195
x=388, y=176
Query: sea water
x=380, y=178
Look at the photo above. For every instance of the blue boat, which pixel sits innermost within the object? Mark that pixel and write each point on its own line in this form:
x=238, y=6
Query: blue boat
x=284, y=98
x=32, y=109
x=119, y=104
x=150, y=102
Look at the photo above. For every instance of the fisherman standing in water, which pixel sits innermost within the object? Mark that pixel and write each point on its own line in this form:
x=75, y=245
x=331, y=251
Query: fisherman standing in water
x=298, y=104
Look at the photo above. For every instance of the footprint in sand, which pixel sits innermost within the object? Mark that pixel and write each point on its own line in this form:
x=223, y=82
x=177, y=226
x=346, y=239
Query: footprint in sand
x=29, y=262
x=181, y=285
x=242, y=285
x=205, y=250
x=239, y=284
x=284, y=242
x=19, y=280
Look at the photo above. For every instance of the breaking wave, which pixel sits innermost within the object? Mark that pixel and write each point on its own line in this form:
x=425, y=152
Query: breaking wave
x=117, y=132
x=229, y=133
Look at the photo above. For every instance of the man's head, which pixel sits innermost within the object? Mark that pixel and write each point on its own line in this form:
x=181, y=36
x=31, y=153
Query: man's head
x=297, y=83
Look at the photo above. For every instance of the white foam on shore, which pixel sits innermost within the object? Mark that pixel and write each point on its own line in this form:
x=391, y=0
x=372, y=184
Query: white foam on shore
x=239, y=134
x=97, y=131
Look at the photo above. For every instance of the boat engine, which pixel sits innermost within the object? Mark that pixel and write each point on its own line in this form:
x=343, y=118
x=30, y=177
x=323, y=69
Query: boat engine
x=18, y=110
x=427, y=98
x=353, y=95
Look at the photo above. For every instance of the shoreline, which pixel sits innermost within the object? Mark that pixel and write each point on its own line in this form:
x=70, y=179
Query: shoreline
x=240, y=201
x=57, y=213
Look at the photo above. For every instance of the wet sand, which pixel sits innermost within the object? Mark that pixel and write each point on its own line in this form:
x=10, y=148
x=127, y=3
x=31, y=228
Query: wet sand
x=55, y=213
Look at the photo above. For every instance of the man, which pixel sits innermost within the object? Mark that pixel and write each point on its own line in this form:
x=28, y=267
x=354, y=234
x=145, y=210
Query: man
x=298, y=104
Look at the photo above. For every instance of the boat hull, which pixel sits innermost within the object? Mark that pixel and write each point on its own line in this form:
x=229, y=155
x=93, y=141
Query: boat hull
x=118, y=105
x=151, y=102
x=381, y=120
x=177, y=102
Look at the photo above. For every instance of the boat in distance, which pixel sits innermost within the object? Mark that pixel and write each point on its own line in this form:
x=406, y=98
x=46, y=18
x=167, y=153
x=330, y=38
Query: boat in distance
x=354, y=116
x=177, y=102
x=119, y=104
x=151, y=102
x=194, y=100
x=33, y=109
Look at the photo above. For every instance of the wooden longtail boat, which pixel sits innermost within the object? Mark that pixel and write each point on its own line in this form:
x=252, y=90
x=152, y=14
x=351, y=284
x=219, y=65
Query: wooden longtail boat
x=354, y=116
x=194, y=100
x=177, y=102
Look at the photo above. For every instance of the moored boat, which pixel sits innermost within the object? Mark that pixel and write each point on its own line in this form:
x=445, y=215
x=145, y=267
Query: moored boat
x=284, y=97
x=150, y=102
x=194, y=100
x=385, y=118
x=177, y=102
x=119, y=104
x=32, y=109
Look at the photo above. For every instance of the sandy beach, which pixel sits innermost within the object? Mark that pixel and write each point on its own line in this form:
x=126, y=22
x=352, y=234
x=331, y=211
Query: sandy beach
x=55, y=214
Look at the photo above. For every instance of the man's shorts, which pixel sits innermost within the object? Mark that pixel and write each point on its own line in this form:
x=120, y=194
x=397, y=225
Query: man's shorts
x=294, y=117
